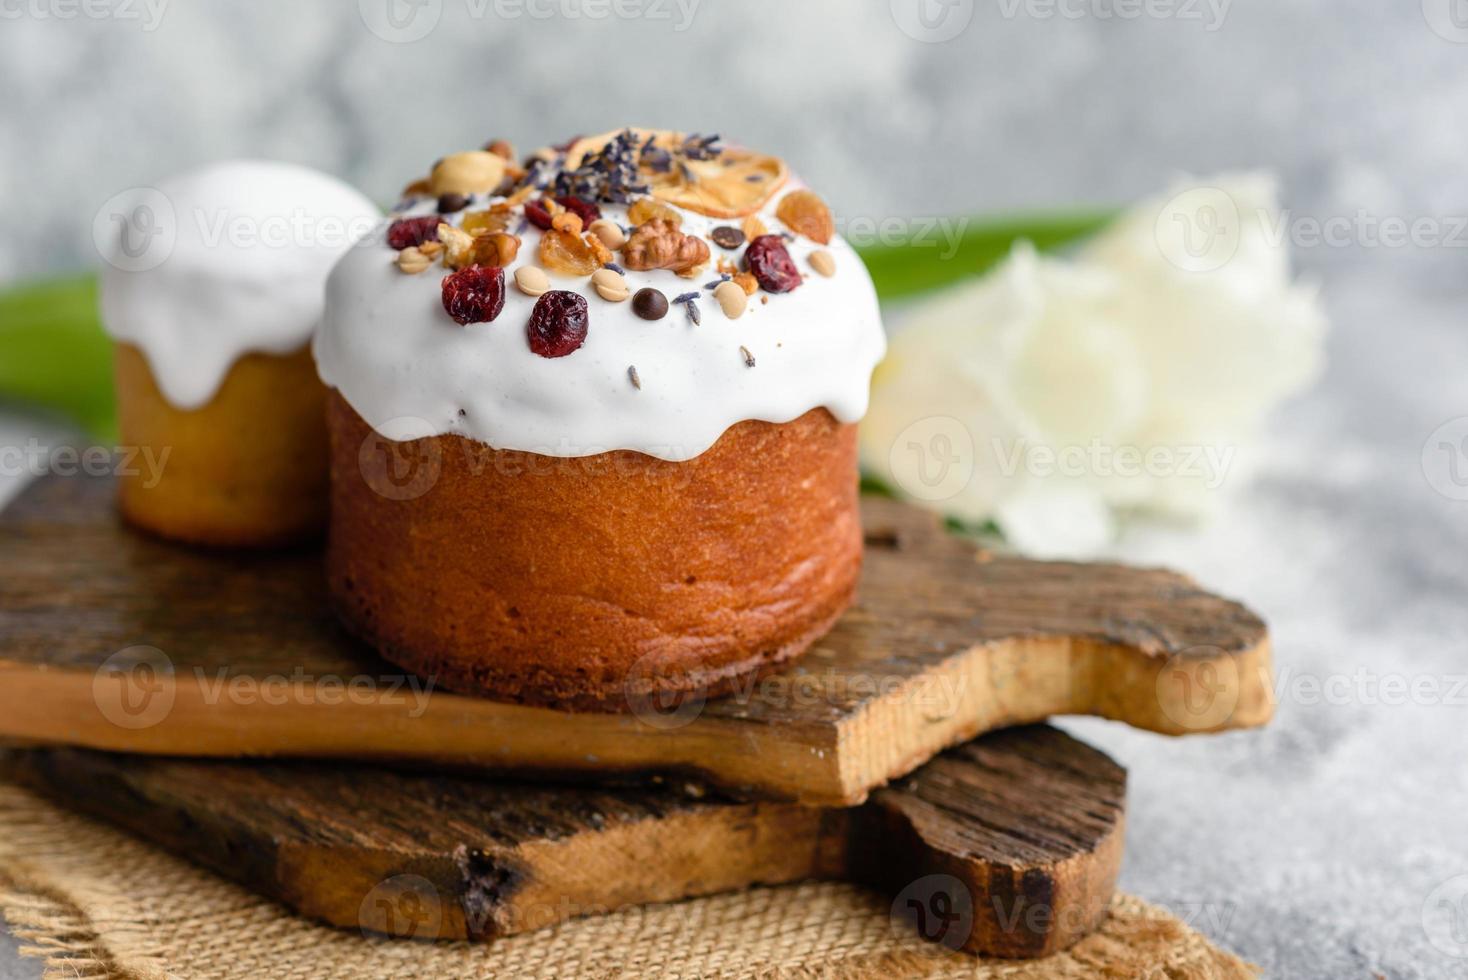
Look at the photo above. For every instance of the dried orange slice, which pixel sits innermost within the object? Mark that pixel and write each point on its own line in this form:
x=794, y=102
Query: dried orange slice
x=734, y=183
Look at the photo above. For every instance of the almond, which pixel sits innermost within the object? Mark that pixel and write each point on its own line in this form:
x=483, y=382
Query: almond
x=823, y=262
x=475, y=172
x=609, y=232
x=532, y=280
x=610, y=285
x=732, y=299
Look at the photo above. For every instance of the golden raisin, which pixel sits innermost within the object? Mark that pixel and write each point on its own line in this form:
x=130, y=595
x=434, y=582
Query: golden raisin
x=497, y=248
x=568, y=254
x=496, y=218
x=806, y=214
x=647, y=209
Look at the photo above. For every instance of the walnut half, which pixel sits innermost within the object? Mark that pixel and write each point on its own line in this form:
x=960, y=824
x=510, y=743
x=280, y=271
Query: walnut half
x=658, y=244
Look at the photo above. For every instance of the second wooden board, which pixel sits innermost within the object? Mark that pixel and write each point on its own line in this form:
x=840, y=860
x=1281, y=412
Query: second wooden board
x=1008, y=845
x=113, y=640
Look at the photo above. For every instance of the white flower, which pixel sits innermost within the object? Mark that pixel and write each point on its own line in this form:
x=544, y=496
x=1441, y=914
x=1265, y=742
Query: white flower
x=1052, y=394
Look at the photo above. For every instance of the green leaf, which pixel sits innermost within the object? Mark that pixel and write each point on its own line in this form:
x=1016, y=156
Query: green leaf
x=928, y=261
x=53, y=353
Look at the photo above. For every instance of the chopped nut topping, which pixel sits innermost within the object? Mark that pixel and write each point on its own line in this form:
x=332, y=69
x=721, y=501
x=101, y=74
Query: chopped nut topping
x=412, y=260
x=458, y=246
x=566, y=221
x=660, y=245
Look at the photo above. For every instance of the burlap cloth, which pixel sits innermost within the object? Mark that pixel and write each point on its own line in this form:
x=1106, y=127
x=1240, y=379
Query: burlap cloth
x=99, y=903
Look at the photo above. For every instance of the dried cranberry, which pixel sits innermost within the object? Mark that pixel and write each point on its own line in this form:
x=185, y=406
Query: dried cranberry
x=585, y=210
x=771, y=264
x=558, y=323
x=538, y=215
x=475, y=294
x=406, y=232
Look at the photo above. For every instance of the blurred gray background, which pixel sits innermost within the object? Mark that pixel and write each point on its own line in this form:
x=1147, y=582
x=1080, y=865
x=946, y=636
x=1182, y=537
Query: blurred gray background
x=1333, y=844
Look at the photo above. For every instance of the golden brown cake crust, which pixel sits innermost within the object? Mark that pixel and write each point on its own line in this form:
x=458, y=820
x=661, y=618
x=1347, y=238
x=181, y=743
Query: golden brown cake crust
x=248, y=470
x=576, y=582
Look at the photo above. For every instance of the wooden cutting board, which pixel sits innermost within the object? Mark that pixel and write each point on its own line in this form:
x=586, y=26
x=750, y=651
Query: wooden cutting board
x=113, y=640
x=1008, y=845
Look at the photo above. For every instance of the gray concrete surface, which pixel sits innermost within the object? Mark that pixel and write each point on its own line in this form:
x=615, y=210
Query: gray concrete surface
x=1331, y=845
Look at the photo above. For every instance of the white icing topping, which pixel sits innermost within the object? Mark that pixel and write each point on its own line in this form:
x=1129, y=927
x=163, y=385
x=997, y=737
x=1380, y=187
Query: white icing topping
x=410, y=371
x=236, y=259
